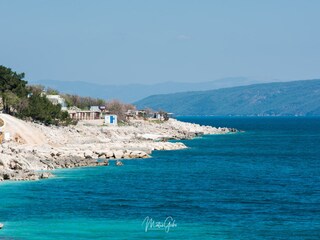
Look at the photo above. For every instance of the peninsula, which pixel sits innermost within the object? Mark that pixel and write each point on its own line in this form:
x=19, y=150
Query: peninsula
x=35, y=149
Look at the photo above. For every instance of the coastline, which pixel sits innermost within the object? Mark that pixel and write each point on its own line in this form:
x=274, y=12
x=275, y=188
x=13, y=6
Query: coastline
x=40, y=148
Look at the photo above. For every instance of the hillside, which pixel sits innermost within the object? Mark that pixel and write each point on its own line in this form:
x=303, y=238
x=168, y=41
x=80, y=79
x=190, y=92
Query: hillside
x=297, y=98
x=134, y=92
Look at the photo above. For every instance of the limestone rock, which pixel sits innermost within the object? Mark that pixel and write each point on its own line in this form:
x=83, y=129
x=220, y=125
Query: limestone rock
x=119, y=163
x=118, y=154
x=88, y=154
x=109, y=154
x=45, y=175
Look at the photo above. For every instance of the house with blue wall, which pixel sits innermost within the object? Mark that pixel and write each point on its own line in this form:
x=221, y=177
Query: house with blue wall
x=111, y=120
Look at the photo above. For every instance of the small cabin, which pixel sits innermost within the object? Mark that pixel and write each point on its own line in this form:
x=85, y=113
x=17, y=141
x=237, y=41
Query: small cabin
x=111, y=120
x=78, y=114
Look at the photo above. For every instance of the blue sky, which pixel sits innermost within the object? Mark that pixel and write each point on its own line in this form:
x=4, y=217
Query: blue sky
x=120, y=42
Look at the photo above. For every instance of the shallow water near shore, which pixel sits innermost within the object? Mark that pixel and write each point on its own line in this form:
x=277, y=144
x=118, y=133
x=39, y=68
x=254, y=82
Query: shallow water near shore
x=259, y=184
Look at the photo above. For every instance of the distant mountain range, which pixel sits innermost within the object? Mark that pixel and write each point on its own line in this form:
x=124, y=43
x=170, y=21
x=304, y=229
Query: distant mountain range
x=297, y=98
x=134, y=92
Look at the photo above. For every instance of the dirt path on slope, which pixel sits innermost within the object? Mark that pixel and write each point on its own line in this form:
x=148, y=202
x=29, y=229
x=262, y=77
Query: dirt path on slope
x=21, y=129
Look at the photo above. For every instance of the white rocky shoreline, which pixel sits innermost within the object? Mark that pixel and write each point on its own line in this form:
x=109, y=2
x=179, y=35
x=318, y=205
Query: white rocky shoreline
x=51, y=147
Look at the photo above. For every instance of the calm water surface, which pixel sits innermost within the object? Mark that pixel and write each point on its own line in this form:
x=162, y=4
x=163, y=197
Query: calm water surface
x=263, y=183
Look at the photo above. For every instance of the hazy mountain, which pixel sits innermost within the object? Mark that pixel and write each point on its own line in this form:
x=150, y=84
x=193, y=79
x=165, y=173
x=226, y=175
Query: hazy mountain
x=298, y=98
x=134, y=92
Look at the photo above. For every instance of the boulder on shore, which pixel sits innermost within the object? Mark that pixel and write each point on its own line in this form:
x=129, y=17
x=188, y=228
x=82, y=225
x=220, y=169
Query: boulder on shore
x=118, y=154
x=119, y=163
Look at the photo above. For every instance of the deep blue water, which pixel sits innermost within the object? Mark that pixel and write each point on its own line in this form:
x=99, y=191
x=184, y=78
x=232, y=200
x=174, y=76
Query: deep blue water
x=263, y=183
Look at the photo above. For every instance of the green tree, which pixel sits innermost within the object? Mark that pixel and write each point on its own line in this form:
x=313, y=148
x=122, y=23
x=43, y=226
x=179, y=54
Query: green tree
x=36, y=89
x=51, y=91
x=12, y=87
x=11, y=101
x=28, y=101
x=41, y=109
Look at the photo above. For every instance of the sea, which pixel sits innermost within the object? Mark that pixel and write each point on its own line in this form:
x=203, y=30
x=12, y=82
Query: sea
x=260, y=183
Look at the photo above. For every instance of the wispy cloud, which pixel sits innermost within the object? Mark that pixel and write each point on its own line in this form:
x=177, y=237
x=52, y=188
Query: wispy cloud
x=183, y=37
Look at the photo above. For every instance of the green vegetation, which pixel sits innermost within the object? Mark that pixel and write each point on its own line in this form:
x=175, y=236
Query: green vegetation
x=82, y=102
x=157, y=121
x=12, y=89
x=41, y=109
x=28, y=102
x=298, y=98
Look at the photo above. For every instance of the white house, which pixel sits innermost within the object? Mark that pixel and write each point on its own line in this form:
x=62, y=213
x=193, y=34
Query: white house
x=57, y=99
x=111, y=120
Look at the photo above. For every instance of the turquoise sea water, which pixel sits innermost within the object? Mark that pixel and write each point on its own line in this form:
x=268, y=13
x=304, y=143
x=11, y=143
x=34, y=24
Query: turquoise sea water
x=263, y=183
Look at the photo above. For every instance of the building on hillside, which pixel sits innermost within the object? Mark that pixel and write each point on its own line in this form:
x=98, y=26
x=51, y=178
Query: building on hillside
x=78, y=114
x=95, y=108
x=57, y=99
x=130, y=115
x=102, y=109
x=158, y=116
x=147, y=114
x=137, y=114
x=111, y=120
x=161, y=116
